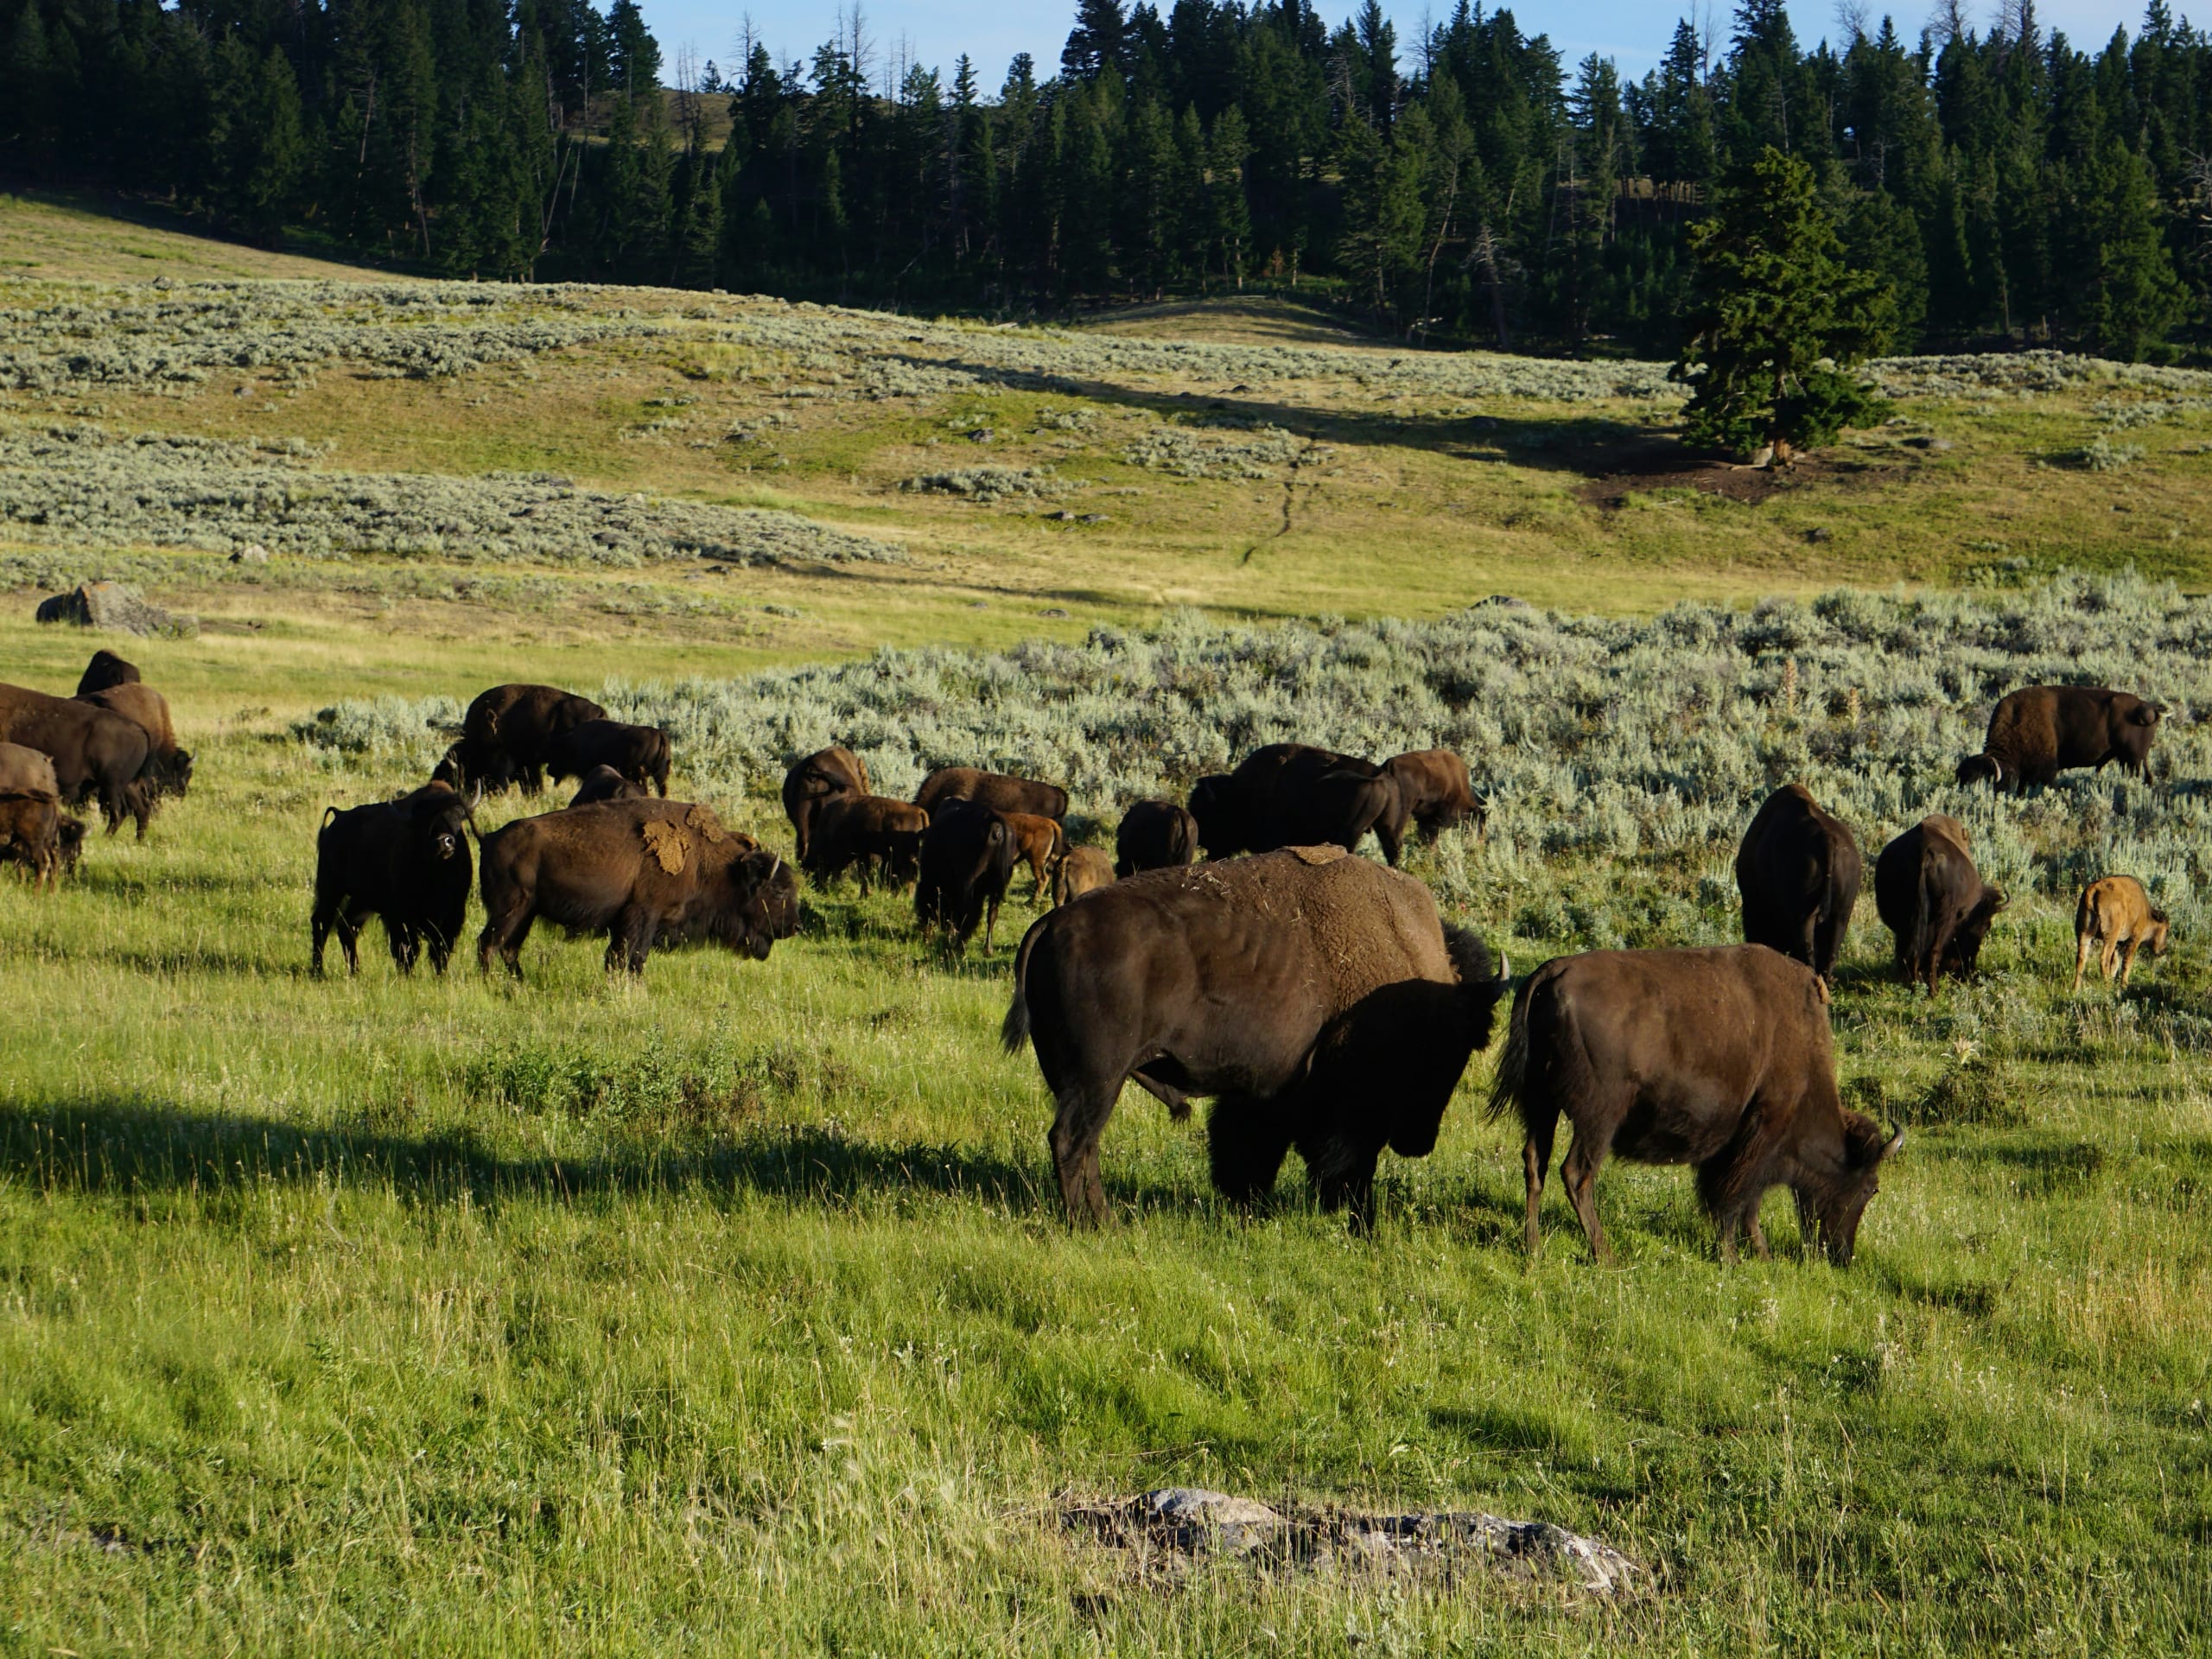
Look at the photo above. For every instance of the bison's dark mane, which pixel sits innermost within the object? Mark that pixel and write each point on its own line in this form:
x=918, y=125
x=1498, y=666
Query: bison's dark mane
x=1471, y=957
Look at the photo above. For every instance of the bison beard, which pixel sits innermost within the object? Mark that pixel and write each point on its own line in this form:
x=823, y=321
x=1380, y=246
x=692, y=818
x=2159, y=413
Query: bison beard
x=1720, y=1057
x=1316, y=996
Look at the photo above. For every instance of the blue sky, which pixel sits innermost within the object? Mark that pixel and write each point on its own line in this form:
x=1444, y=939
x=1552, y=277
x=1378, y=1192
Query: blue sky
x=937, y=31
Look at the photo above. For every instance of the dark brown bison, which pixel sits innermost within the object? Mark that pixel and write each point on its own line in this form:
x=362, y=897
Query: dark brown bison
x=1040, y=844
x=1437, y=793
x=1154, y=835
x=406, y=860
x=992, y=789
x=818, y=777
x=169, y=767
x=30, y=833
x=1720, y=1057
x=872, y=833
x=605, y=783
x=506, y=734
x=96, y=753
x=27, y=769
x=1315, y=996
x=1294, y=795
x=1934, y=901
x=2040, y=731
x=647, y=872
x=638, y=753
x=105, y=669
x=1081, y=870
x=968, y=857
x=1798, y=871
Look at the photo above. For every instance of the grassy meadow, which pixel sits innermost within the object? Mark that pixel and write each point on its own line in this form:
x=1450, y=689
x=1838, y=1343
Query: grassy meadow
x=734, y=1312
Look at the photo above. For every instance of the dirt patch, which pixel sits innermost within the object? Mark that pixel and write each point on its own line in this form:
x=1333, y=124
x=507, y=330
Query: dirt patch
x=1657, y=466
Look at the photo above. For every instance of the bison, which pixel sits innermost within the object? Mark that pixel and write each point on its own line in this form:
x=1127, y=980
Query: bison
x=505, y=734
x=1154, y=835
x=30, y=833
x=2116, y=918
x=106, y=670
x=1293, y=794
x=872, y=833
x=24, y=769
x=968, y=857
x=1437, y=791
x=169, y=767
x=1934, y=901
x=2040, y=731
x=992, y=789
x=647, y=872
x=1317, y=997
x=95, y=752
x=1798, y=871
x=638, y=753
x=1721, y=1057
x=1081, y=870
x=406, y=860
x=605, y=783
x=818, y=777
x=1039, y=843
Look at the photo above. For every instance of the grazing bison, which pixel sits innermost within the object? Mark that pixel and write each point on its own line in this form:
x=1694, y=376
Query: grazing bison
x=605, y=783
x=506, y=734
x=1038, y=842
x=95, y=752
x=1154, y=835
x=818, y=777
x=967, y=858
x=1720, y=1057
x=2040, y=731
x=26, y=770
x=872, y=833
x=169, y=768
x=648, y=872
x=106, y=670
x=1934, y=901
x=406, y=860
x=992, y=789
x=1437, y=793
x=1081, y=870
x=2116, y=918
x=638, y=753
x=30, y=833
x=1798, y=871
x=1293, y=795
x=1316, y=996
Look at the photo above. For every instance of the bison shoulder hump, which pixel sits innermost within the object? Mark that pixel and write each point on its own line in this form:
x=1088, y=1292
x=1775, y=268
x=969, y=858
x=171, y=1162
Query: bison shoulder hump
x=709, y=827
x=666, y=843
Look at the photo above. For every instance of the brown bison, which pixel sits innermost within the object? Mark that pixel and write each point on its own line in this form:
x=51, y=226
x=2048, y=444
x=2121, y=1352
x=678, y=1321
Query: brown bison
x=2116, y=918
x=506, y=734
x=406, y=860
x=992, y=789
x=1154, y=835
x=168, y=766
x=95, y=752
x=1315, y=996
x=647, y=872
x=1081, y=870
x=1294, y=795
x=638, y=753
x=30, y=833
x=105, y=671
x=872, y=833
x=818, y=777
x=2040, y=731
x=1934, y=901
x=1038, y=842
x=967, y=858
x=1720, y=1057
x=1798, y=871
x=605, y=783
x=1437, y=793
x=28, y=770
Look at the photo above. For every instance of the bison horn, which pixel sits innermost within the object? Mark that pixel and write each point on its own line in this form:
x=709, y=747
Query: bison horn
x=1996, y=769
x=1890, y=1148
x=776, y=868
x=1504, y=968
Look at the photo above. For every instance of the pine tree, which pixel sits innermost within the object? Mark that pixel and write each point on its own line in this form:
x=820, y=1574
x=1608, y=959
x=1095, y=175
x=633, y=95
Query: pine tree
x=1228, y=148
x=2125, y=298
x=1097, y=42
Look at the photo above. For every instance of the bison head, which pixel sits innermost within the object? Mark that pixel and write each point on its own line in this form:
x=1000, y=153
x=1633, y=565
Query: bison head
x=1457, y=1031
x=1220, y=815
x=1965, y=949
x=1831, y=1201
x=179, y=770
x=760, y=907
x=2155, y=940
x=1981, y=769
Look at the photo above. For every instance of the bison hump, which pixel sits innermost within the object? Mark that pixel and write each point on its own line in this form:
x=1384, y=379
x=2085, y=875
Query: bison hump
x=1327, y=853
x=666, y=843
x=709, y=826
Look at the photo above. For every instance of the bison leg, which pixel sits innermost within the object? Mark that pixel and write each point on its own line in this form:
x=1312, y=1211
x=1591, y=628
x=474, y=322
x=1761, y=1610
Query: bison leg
x=1536, y=1159
x=630, y=940
x=405, y=943
x=504, y=934
x=1579, y=1176
x=318, y=933
x=1077, y=1124
x=352, y=918
x=2082, y=947
x=2128, y=963
x=1350, y=1186
x=1246, y=1140
x=990, y=921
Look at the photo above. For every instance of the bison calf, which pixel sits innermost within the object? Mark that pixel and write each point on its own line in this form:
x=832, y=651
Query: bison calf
x=30, y=833
x=406, y=860
x=2116, y=918
x=1934, y=901
x=1720, y=1057
x=870, y=834
x=1154, y=835
x=1038, y=842
x=1081, y=870
x=968, y=857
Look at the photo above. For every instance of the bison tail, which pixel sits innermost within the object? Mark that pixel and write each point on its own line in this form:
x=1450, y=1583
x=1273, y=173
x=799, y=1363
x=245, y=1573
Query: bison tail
x=1016, y=1030
x=1509, y=1089
x=329, y=814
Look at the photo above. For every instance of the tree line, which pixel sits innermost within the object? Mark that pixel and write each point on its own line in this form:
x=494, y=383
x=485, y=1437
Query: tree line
x=1471, y=186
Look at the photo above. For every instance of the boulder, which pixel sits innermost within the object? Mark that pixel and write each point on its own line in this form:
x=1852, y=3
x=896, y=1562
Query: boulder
x=118, y=608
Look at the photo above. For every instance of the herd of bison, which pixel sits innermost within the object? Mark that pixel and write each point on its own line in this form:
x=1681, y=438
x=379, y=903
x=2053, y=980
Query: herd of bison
x=1317, y=998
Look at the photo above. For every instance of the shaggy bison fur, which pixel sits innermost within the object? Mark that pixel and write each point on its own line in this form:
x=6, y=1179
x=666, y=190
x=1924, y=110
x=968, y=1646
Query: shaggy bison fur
x=1294, y=795
x=96, y=753
x=605, y=783
x=1154, y=835
x=1434, y=787
x=2040, y=731
x=1081, y=870
x=105, y=669
x=872, y=835
x=169, y=767
x=638, y=753
x=506, y=735
x=30, y=833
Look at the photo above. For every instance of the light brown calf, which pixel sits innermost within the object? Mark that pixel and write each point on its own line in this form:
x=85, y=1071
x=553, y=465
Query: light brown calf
x=1080, y=870
x=1040, y=843
x=2117, y=915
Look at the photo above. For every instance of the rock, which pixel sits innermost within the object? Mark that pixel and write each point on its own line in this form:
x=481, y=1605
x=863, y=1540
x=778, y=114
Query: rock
x=1533, y=1549
x=118, y=607
x=1503, y=602
x=1052, y=610
x=256, y=553
x=1194, y=1518
x=1819, y=533
x=981, y=434
x=1762, y=456
x=1093, y=519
